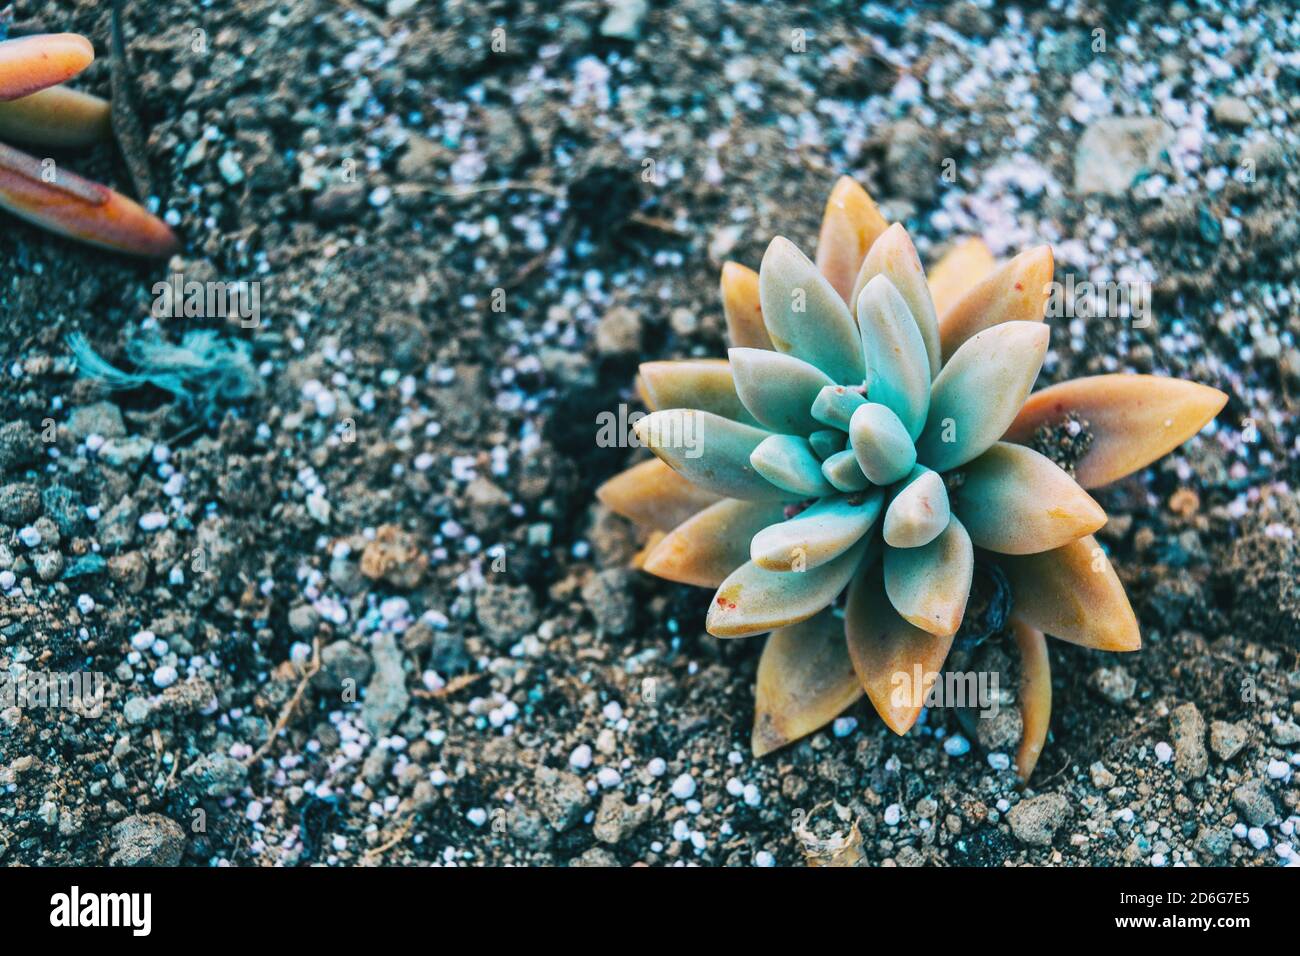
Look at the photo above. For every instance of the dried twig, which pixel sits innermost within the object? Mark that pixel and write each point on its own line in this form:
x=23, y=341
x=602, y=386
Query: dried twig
x=126, y=123
x=453, y=685
x=402, y=831
x=509, y=185
x=286, y=714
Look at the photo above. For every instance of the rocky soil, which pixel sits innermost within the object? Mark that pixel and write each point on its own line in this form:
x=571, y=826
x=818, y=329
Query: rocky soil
x=370, y=613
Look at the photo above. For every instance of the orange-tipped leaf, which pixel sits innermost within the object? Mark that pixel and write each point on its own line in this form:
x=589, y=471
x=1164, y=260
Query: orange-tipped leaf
x=1134, y=419
x=1075, y=595
x=805, y=680
x=33, y=63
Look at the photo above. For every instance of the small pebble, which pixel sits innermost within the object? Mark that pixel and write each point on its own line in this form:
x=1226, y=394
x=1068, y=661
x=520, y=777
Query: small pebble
x=684, y=787
x=956, y=746
x=608, y=777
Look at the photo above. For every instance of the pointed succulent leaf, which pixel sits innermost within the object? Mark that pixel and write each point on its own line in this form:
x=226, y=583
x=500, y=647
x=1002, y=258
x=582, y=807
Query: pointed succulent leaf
x=753, y=600
x=1035, y=695
x=817, y=535
x=788, y=462
x=778, y=389
x=706, y=384
x=1016, y=292
x=896, y=663
x=740, y=306
x=1133, y=419
x=827, y=442
x=708, y=450
x=1015, y=501
x=850, y=225
x=958, y=270
x=66, y=204
x=653, y=496
x=919, y=512
x=29, y=64
x=844, y=473
x=898, y=371
x=805, y=316
x=1073, y=594
x=929, y=585
x=705, y=548
x=835, y=406
x=894, y=257
x=805, y=680
x=979, y=392
x=880, y=441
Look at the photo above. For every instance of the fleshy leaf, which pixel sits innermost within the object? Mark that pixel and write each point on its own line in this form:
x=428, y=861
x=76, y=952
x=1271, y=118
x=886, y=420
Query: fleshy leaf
x=652, y=495
x=896, y=663
x=898, y=371
x=919, y=512
x=805, y=316
x=753, y=600
x=58, y=116
x=850, y=225
x=958, y=270
x=1035, y=695
x=708, y=450
x=1015, y=292
x=29, y=64
x=62, y=202
x=788, y=462
x=706, y=384
x=930, y=585
x=816, y=535
x=740, y=306
x=880, y=441
x=778, y=389
x=835, y=406
x=979, y=392
x=894, y=257
x=844, y=473
x=827, y=442
x=704, y=549
x=1073, y=594
x=1134, y=419
x=805, y=680
x=1015, y=501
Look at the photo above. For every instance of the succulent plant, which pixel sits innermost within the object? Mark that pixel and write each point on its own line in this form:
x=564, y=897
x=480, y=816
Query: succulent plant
x=873, y=432
x=36, y=108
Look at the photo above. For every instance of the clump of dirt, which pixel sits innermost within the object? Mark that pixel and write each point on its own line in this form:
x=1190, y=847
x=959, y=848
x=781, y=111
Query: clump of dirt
x=1261, y=577
x=1064, y=442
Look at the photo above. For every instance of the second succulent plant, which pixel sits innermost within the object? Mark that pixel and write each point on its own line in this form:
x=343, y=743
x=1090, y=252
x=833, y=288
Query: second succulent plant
x=37, y=109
